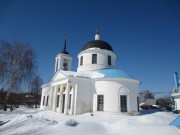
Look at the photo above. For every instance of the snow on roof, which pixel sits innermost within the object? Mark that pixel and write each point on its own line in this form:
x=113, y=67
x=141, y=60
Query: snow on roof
x=114, y=73
x=176, y=122
x=104, y=73
x=85, y=74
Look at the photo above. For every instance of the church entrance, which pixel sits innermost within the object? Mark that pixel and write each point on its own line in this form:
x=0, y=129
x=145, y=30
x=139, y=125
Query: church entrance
x=63, y=103
x=123, y=101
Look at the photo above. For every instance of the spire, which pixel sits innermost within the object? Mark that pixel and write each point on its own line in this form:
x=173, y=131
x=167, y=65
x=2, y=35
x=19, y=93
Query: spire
x=65, y=51
x=97, y=36
x=64, y=45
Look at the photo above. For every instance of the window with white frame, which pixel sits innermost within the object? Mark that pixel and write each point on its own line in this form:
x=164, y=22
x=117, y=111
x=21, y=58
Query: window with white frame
x=94, y=58
x=123, y=101
x=109, y=60
x=100, y=102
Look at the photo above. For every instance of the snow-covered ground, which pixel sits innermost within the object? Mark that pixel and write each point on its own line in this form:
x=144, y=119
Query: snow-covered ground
x=24, y=121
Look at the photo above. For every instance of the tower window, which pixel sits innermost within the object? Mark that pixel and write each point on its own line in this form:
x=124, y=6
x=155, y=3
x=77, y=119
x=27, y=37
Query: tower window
x=94, y=59
x=109, y=60
x=81, y=60
x=65, y=65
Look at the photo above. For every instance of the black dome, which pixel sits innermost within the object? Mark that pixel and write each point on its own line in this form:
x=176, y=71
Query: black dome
x=97, y=44
x=64, y=52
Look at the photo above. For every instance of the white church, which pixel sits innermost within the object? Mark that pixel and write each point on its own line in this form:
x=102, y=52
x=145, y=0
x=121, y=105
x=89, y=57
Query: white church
x=97, y=86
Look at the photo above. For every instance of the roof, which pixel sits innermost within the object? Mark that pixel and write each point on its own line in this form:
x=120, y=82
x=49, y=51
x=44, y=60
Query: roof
x=115, y=73
x=64, y=52
x=97, y=44
x=104, y=73
x=176, y=122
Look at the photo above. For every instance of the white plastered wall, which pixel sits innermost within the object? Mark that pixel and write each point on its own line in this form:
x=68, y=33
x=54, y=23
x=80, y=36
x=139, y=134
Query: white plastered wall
x=102, y=59
x=83, y=96
x=60, y=59
x=112, y=89
x=177, y=103
x=45, y=92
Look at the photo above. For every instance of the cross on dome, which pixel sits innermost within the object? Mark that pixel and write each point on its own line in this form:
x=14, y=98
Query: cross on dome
x=97, y=36
x=97, y=30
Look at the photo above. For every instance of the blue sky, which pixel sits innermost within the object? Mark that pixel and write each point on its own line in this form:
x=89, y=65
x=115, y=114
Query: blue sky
x=145, y=34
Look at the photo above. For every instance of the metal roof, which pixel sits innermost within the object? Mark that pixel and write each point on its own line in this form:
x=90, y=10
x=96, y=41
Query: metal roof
x=176, y=122
x=114, y=73
x=97, y=44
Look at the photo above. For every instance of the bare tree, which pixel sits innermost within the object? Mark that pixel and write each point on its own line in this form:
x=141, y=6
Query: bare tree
x=17, y=64
x=145, y=95
x=36, y=88
x=148, y=95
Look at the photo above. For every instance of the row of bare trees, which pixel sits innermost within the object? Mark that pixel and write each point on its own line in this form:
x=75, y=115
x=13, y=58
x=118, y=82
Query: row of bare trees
x=161, y=101
x=16, y=99
x=18, y=69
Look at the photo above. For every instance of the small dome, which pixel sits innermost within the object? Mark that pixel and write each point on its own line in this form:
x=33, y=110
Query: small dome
x=97, y=44
x=64, y=52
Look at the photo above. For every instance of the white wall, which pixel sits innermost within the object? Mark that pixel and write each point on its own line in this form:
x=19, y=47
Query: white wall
x=86, y=91
x=83, y=96
x=60, y=59
x=112, y=89
x=102, y=59
x=177, y=103
x=45, y=92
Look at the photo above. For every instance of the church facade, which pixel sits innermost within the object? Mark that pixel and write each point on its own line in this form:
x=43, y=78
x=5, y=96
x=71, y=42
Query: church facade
x=97, y=86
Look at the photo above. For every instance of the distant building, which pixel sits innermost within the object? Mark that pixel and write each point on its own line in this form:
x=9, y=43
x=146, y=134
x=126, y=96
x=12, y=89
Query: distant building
x=97, y=86
x=176, y=92
x=151, y=101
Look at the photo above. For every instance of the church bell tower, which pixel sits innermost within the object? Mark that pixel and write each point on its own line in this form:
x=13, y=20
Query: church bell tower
x=63, y=60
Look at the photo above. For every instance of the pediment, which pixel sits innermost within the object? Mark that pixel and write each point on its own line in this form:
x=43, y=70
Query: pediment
x=58, y=75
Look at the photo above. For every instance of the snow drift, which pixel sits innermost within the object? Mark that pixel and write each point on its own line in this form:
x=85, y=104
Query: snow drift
x=34, y=122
